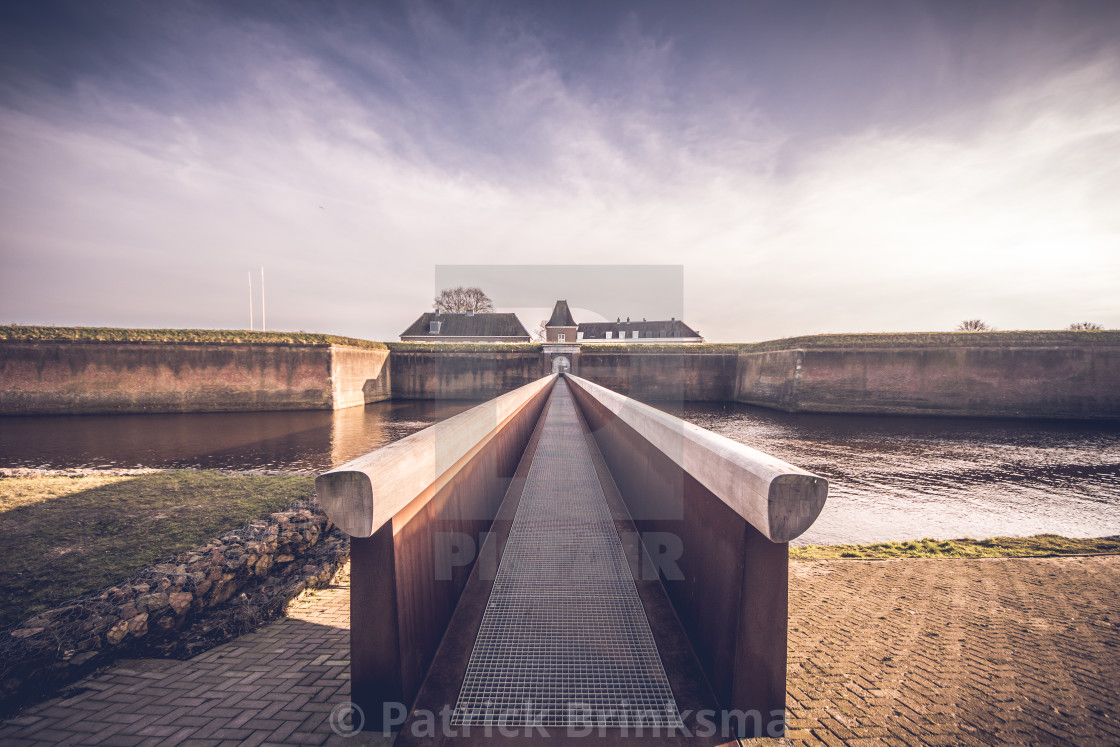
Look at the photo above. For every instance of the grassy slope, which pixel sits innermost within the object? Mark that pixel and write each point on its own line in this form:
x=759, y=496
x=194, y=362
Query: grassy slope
x=869, y=340
x=464, y=347
x=693, y=348
x=65, y=536
x=109, y=334
x=1040, y=545
x=876, y=340
x=949, y=339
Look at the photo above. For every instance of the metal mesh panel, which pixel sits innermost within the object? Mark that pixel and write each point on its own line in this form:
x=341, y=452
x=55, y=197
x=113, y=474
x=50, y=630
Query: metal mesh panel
x=564, y=639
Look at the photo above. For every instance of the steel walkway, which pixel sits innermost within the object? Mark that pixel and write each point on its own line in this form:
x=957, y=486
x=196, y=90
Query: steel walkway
x=564, y=635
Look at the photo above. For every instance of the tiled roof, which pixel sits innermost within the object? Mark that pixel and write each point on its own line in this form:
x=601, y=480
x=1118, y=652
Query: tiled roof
x=671, y=328
x=467, y=325
x=561, y=316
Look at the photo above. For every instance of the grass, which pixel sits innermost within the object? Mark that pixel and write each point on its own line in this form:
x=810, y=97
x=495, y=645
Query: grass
x=870, y=340
x=19, y=333
x=464, y=347
x=1013, y=338
x=65, y=536
x=637, y=348
x=1038, y=546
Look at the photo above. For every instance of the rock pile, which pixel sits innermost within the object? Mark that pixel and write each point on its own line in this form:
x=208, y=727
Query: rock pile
x=180, y=607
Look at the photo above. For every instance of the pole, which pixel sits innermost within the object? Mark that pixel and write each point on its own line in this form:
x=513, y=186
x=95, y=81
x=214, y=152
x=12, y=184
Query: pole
x=262, y=299
x=250, y=300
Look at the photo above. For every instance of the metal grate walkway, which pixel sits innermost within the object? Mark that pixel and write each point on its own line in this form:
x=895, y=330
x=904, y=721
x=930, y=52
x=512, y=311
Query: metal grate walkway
x=564, y=639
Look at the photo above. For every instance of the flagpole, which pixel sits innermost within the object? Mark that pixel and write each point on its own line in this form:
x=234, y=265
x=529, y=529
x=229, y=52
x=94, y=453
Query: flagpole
x=263, y=328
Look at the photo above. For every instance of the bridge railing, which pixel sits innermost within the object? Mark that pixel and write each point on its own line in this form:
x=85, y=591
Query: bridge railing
x=731, y=511
x=400, y=505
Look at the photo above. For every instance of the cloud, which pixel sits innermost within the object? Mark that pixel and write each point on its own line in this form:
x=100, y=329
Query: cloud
x=351, y=160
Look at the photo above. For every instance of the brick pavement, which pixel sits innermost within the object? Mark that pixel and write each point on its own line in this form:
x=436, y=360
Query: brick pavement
x=956, y=652
x=1017, y=651
x=274, y=686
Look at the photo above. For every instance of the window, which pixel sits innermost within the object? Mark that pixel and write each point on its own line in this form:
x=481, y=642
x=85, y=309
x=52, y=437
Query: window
x=433, y=328
x=634, y=333
x=560, y=337
x=608, y=335
x=579, y=335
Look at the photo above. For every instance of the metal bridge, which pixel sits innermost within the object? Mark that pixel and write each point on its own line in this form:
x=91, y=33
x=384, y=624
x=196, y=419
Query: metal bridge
x=565, y=562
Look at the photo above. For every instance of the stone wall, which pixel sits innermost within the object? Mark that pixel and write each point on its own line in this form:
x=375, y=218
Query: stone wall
x=178, y=608
x=704, y=377
x=1050, y=375
x=1072, y=381
x=477, y=375
x=359, y=376
x=421, y=374
x=63, y=377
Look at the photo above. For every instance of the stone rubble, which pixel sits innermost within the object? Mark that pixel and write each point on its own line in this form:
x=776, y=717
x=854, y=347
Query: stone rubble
x=180, y=607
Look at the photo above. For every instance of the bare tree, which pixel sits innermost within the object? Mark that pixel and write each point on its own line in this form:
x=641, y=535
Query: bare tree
x=539, y=332
x=973, y=325
x=460, y=300
x=1085, y=325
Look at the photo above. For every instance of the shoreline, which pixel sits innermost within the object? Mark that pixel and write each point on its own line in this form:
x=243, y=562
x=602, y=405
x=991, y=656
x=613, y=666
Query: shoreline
x=1041, y=545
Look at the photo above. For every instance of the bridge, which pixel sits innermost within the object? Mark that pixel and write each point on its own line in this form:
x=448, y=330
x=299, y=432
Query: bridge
x=565, y=562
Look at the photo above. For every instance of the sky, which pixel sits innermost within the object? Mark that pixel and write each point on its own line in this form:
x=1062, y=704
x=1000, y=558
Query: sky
x=796, y=167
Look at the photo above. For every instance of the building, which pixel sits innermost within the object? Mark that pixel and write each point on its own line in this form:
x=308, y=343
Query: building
x=560, y=347
x=468, y=327
x=671, y=331
x=563, y=335
x=561, y=328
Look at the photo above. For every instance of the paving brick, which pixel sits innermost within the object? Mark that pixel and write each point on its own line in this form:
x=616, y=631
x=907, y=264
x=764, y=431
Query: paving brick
x=953, y=652
x=989, y=641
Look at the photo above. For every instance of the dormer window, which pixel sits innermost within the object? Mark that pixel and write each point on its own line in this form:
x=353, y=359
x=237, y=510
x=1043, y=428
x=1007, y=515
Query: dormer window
x=433, y=328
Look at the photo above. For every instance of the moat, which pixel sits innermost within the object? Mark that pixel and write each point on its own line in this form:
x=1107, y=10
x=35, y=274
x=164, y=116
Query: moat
x=891, y=478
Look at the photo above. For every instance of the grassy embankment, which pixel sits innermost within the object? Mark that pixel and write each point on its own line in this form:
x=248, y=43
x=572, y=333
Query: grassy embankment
x=463, y=347
x=1009, y=338
x=64, y=536
x=1013, y=338
x=19, y=333
x=1038, y=546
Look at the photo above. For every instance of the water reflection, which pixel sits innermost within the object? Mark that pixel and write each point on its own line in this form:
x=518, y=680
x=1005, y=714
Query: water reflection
x=891, y=478
x=897, y=478
x=303, y=441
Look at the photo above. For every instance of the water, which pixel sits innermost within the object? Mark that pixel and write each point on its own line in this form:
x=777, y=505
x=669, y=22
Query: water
x=890, y=478
x=309, y=441
x=897, y=478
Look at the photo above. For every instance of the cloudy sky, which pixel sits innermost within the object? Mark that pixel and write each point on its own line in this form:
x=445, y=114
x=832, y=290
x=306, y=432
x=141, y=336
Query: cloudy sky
x=805, y=167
